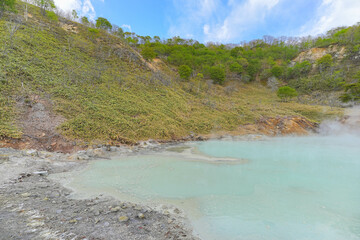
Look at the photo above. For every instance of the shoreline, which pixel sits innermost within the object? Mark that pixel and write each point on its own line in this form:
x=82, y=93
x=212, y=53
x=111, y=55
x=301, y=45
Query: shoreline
x=279, y=126
x=34, y=206
x=37, y=206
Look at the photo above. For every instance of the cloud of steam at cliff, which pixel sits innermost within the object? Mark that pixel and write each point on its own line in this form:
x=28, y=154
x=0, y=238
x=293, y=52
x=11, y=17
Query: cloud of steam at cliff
x=349, y=125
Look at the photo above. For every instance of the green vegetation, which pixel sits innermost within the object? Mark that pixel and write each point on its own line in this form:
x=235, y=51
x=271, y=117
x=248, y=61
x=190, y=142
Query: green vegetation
x=352, y=90
x=277, y=71
x=325, y=62
x=7, y=5
x=286, y=93
x=148, y=53
x=236, y=68
x=185, y=72
x=217, y=74
x=7, y=124
x=45, y=5
x=74, y=15
x=103, y=23
x=103, y=85
x=84, y=20
x=218, y=62
x=52, y=16
x=300, y=69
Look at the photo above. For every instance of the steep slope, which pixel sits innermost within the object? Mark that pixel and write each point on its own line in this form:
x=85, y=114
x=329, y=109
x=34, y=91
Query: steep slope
x=63, y=81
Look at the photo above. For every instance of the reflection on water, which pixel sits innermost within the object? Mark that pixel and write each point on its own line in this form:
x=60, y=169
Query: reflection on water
x=290, y=187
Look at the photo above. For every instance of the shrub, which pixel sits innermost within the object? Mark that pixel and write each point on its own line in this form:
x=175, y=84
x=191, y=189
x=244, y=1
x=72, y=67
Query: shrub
x=300, y=69
x=277, y=71
x=217, y=74
x=148, y=53
x=52, y=16
x=93, y=30
x=7, y=5
x=352, y=91
x=325, y=62
x=286, y=93
x=236, y=68
x=85, y=21
x=185, y=72
x=103, y=23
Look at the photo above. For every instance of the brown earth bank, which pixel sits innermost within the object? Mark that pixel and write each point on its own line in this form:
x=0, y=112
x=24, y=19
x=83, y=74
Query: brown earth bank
x=51, y=141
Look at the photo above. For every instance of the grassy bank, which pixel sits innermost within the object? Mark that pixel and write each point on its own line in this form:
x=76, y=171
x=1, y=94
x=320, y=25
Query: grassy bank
x=106, y=91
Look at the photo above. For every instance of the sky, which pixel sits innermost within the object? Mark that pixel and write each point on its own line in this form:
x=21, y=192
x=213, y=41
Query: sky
x=223, y=21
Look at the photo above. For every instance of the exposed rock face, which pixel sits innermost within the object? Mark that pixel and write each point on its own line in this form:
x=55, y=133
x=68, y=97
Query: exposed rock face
x=314, y=54
x=280, y=126
x=38, y=123
x=69, y=28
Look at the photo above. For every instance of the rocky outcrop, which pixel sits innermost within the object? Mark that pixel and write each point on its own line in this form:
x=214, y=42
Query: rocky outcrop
x=314, y=54
x=279, y=126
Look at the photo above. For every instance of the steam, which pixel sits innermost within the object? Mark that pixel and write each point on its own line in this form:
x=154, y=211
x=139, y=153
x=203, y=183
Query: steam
x=349, y=125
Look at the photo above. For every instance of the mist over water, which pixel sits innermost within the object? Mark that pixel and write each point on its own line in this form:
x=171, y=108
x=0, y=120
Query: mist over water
x=288, y=188
x=349, y=125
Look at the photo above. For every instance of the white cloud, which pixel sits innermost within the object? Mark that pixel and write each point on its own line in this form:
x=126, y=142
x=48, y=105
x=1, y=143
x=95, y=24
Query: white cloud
x=191, y=15
x=242, y=16
x=68, y=5
x=83, y=7
x=331, y=14
x=219, y=22
x=126, y=26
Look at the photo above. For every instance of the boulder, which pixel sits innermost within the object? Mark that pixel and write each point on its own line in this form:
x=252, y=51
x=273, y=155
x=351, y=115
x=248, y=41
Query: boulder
x=123, y=219
x=141, y=216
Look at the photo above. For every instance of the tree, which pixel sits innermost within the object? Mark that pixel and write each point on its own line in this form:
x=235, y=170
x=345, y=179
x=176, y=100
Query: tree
x=52, y=16
x=85, y=21
x=236, y=68
x=148, y=53
x=185, y=72
x=277, y=71
x=74, y=15
x=236, y=51
x=325, y=62
x=157, y=39
x=352, y=91
x=7, y=5
x=45, y=5
x=286, y=93
x=103, y=23
x=252, y=70
x=197, y=81
x=217, y=74
x=119, y=32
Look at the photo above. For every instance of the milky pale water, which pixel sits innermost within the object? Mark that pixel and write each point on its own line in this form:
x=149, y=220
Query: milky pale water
x=301, y=188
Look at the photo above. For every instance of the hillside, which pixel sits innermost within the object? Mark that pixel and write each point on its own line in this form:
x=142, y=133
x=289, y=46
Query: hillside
x=64, y=81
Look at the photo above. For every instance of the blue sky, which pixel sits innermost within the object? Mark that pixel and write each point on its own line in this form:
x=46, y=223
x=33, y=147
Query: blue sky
x=226, y=21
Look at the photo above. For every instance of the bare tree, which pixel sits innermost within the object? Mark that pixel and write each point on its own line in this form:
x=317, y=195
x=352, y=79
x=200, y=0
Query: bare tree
x=12, y=28
x=26, y=14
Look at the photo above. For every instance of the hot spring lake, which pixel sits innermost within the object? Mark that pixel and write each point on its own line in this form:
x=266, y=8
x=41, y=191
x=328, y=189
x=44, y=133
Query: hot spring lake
x=301, y=188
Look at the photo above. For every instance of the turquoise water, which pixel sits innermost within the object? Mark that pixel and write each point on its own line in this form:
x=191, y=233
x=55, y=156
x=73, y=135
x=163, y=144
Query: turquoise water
x=290, y=188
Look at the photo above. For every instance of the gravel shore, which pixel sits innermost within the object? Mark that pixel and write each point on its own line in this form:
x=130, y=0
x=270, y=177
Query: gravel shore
x=33, y=206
